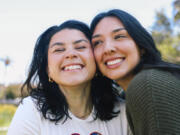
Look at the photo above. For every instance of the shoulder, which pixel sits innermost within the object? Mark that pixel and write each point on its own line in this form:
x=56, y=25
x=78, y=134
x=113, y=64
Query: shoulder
x=152, y=80
x=27, y=108
x=149, y=73
x=28, y=105
x=153, y=92
x=153, y=76
x=26, y=119
x=27, y=101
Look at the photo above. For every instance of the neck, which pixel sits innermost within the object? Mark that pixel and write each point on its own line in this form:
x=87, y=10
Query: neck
x=124, y=82
x=78, y=99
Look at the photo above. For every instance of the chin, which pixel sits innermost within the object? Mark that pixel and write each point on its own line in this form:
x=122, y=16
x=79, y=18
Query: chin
x=75, y=82
x=112, y=76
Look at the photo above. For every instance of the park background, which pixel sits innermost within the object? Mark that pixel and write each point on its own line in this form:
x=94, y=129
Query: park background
x=22, y=21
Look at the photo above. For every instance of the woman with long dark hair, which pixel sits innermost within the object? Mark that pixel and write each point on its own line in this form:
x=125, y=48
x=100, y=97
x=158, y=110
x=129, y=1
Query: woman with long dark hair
x=126, y=53
x=64, y=96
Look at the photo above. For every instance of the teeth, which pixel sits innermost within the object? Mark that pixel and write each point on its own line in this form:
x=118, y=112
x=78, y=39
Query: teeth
x=114, y=62
x=72, y=67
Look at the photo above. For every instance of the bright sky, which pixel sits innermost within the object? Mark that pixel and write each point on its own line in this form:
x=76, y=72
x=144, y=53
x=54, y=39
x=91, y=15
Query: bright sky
x=22, y=21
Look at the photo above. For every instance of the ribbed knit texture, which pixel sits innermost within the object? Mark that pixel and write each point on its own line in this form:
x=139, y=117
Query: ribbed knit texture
x=153, y=103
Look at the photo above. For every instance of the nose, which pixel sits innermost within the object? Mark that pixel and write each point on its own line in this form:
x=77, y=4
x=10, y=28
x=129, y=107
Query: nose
x=71, y=54
x=109, y=48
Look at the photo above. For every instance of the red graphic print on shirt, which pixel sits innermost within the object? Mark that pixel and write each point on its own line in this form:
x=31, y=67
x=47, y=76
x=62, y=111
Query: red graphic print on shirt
x=93, y=133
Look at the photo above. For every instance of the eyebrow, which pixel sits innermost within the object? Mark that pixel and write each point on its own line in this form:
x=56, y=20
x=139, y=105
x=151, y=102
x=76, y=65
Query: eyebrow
x=75, y=42
x=114, y=31
x=96, y=36
x=57, y=43
x=119, y=29
x=81, y=40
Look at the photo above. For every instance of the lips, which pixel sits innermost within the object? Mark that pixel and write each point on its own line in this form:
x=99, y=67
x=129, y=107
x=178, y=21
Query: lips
x=115, y=62
x=72, y=67
x=112, y=62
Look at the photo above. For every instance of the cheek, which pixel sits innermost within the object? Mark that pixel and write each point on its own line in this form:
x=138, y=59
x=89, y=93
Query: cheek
x=91, y=59
x=87, y=55
x=97, y=55
x=50, y=60
x=136, y=52
x=131, y=48
x=135, y=55
x=53, y=61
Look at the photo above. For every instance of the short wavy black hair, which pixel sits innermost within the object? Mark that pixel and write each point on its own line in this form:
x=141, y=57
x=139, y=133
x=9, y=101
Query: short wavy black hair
x=50, y=100
x=143, y=39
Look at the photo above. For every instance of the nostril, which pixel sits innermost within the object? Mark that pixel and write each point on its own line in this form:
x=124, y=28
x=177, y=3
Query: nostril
x=71, y=56
x=109, y=51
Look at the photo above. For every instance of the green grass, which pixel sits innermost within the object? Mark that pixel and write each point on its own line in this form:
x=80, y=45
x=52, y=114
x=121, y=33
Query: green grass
x=6, y=115
x=3, y=132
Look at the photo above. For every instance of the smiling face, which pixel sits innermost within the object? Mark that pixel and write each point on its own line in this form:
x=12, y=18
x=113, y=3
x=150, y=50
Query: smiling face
x=115, y=51
x=70, y=58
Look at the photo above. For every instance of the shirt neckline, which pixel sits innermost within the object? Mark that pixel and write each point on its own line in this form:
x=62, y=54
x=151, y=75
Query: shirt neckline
x=88, y=119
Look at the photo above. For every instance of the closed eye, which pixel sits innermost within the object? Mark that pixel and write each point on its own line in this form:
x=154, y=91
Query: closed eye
x=119, y=36
x=59, y=50
x=98, y=42
x=81, y=47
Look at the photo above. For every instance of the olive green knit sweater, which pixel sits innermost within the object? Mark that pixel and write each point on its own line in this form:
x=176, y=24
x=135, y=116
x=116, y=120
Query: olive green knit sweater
x=153, y=103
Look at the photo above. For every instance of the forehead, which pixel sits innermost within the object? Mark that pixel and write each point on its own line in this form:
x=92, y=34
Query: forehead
x=108, y=24
x=68, y=34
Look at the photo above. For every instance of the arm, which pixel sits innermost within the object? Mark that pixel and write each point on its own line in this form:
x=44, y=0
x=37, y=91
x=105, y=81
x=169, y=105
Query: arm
x=26, y=120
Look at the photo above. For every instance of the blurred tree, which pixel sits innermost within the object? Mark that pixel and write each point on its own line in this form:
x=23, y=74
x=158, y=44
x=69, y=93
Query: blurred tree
x=176, y=9
x=10, y=92
x=10, y=95
x=6, y=61
x=161, y=29
x=167, y=41
x=171, y=52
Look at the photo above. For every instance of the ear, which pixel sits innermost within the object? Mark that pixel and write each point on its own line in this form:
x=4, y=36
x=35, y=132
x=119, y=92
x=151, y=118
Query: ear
x=47, y=70
x=49, y=77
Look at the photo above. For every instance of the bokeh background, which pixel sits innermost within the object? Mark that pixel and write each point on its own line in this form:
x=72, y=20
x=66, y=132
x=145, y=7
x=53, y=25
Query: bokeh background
x=22, y=21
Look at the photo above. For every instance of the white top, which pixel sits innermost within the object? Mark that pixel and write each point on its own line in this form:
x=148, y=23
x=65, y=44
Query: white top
x=29, y=121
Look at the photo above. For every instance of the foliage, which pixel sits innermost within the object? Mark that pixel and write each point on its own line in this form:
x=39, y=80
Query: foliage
x=161, y=27
x=169, y=53
x=170, y=49
x=3, y=132
x=176, y=8
x=10, y=92
x=10, y=95
x=167, y=40
x=6, y=114
x=162, y=23
x=6, y=61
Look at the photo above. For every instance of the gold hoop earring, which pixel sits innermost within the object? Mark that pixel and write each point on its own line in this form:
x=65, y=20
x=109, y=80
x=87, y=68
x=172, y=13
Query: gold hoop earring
x=50, y=80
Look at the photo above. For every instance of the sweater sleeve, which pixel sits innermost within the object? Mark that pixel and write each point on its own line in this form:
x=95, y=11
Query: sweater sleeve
x=26, y=119
x=153, y=103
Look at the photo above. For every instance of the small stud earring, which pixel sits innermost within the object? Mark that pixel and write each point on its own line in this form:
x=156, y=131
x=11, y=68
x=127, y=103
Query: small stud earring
x=50, y=80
